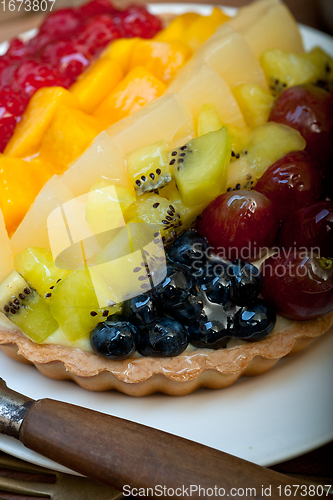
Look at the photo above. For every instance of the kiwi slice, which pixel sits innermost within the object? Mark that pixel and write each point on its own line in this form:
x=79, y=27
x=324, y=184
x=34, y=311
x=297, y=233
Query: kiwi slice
x=37, y=266
x=267, y=144
x=149, y=167
x=286, y=69
x=75, y=305
x=325, y=65
x=200, y=168
x=165, y=211
x=210, y=121
x=20, y=302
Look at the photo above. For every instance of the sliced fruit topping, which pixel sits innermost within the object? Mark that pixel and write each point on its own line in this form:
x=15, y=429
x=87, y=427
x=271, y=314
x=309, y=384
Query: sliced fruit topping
x=149, y=167
x=138, y=88
x=267, y=144
x=208, y=120
x=240, y=225
x=163, y=338
x=37, y=266
x=285, y=69
x=309, y=110
x=200, y=167
x=291, y=183
x=20, y=183
x=75, y=306
x=106, y=205
x=254, y=102
x=299, y=286
x=114, y=338
x=20, y=302
x=163, y=59
x=255, y=321
x=310, y=227
x=168, y=216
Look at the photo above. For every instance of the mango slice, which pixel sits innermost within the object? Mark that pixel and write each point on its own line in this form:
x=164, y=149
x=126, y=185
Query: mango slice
x=69, y=134
x=20, y=182
x=36, y=119
x=134, y=91
x=96, y=83
x=202, y=28
x=163, y=59
x=120, y=50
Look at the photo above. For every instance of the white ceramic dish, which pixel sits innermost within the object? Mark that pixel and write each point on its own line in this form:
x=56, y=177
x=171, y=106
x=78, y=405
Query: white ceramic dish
x=266, y=420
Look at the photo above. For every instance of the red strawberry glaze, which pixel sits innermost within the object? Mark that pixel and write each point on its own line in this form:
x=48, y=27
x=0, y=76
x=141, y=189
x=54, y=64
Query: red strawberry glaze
x=12, y=105
x=67, y=41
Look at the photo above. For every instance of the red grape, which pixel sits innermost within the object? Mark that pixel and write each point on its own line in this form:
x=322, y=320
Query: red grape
x=290, y=183
x=310, y=227
x=299, y=286
x=240, y=224
x=309, y=110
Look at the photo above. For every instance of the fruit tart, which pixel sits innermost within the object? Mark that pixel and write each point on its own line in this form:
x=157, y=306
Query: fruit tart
x=191, y=242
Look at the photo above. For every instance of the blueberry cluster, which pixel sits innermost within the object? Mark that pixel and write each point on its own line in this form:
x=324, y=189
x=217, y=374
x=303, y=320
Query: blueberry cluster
x=202, y=300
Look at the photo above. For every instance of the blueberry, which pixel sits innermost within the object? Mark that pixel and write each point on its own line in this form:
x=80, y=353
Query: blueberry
x=165, y=337
x=246, y=282
x=254, y=322
x=214, y=326
x=217, y=283
x=140, y=310
x=190, y=250
x=114, y=338
x=189, y=311
x=175, y=287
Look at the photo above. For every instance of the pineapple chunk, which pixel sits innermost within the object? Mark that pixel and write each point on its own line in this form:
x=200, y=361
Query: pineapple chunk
x=167, y=119
x=255, y=103
x=108, y=163
x=199, y=80
x=231, y=56
x=6, y=254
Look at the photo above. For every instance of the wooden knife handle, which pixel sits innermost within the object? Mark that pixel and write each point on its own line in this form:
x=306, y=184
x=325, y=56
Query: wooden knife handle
x=119, y=452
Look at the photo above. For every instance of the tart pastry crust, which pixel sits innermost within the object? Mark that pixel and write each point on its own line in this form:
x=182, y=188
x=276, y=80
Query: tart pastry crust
x=175, y=376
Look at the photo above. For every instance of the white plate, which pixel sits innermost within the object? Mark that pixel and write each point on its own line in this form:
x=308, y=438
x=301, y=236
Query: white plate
x=266, y=420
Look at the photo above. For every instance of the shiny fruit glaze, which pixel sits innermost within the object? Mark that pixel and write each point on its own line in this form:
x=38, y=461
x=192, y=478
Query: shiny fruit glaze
x=290, y=183
x=12, y=105
x=299, y=286
x=67, y=41
x=309, y=110
x=240, y=224
x=310, y=227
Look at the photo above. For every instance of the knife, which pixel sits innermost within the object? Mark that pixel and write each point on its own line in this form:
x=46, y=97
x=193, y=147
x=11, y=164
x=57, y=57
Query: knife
x=134, y=458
